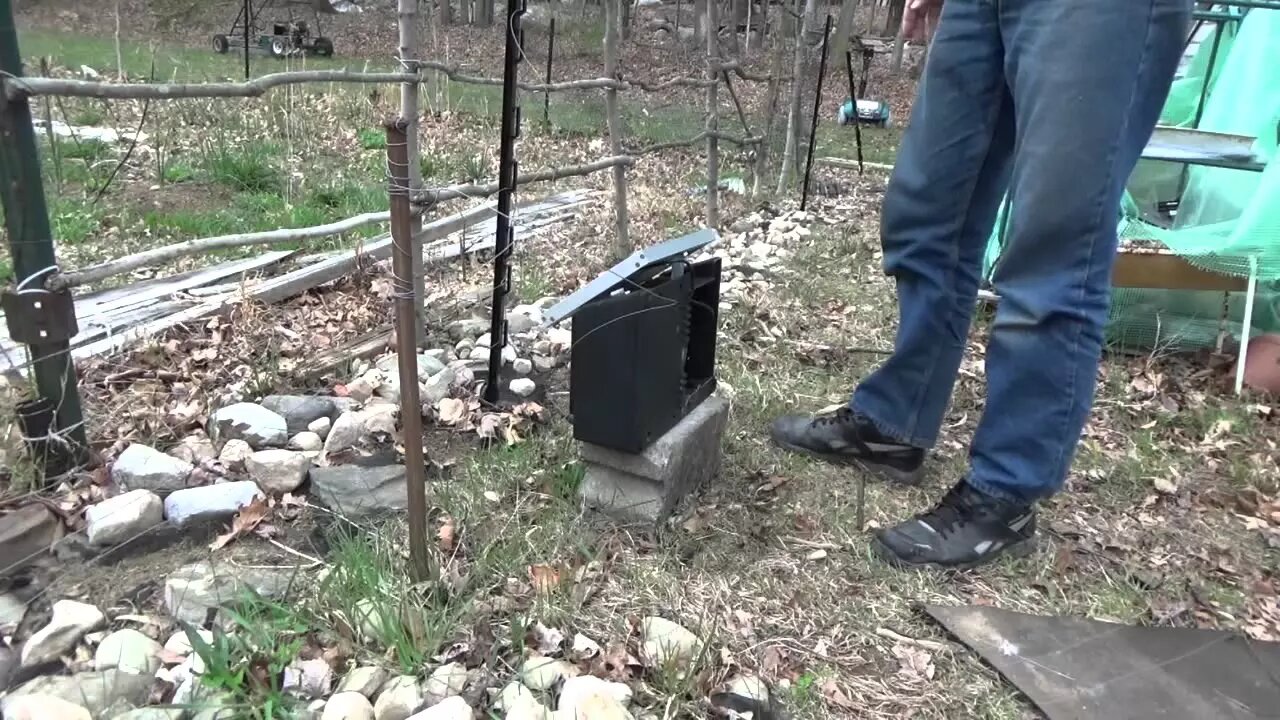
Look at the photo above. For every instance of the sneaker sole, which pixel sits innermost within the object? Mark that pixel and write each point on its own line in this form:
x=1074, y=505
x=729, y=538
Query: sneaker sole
x=1019, y=549
x=887, y=472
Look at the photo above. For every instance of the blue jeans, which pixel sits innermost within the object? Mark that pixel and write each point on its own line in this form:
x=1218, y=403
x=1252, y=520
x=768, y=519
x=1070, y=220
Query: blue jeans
x=1052, y=100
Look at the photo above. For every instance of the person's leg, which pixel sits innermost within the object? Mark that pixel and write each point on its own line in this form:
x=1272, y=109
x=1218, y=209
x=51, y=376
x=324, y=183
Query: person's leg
x=951, y=170
x=1088, y=79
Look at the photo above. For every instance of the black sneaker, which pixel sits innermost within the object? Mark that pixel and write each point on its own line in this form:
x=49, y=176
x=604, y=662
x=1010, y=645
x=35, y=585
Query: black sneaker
x=966, y=529
x=847, y=438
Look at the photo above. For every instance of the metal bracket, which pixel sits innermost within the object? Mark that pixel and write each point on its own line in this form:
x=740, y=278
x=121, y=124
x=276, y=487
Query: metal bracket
x=36, y=315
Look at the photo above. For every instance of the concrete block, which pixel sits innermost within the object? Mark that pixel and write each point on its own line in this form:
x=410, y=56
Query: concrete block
x=648, y=486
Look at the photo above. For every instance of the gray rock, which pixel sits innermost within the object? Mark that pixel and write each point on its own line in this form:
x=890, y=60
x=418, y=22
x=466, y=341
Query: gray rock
x=9, y=664
x=142, y=468
x=71, y=620
x=453, y=708
x=44, y=707
x=437, y=387
x=524, y=318
x=194, y=449
x=278, y=471
x=96, y=691
x=12, y=608
x=128, y=651
x=26, y=534
x=445, y=681
x=348, y=706
x=320, y=426
x=544, y=363
x=256, y=425
x=153, y=713
x=345, y=433
x=647, y=486
x=429, y=365
x=467, y=328
x=211, y=502
x=191, y=591
x=479, y=353
x=307, y=441
x=398, y=699
x=357, y=490
x=234, y=454
x=299, y=411
x=308, y=678
x=522, y=366
x=364, y=680
x=120, y=518
x=360, y=390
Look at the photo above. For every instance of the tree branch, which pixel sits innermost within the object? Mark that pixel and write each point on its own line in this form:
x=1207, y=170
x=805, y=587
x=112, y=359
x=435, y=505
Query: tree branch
x=435, y=195
x=29, y=86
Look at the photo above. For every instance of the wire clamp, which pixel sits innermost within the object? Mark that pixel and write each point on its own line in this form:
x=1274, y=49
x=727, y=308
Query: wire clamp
x=38, y=315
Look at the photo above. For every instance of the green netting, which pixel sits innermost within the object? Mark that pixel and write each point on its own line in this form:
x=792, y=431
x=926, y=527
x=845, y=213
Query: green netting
x=1228, y=221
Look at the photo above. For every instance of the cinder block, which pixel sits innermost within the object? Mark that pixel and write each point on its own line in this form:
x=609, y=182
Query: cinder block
x=648, y=486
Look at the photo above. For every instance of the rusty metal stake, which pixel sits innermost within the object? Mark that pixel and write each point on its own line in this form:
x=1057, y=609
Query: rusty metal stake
x=406, y=346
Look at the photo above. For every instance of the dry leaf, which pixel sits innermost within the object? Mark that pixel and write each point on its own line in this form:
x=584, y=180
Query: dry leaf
x=615, y=664
x=544, y=578
x=451, y=411
x=547, y=640
x=489, y=425
x=492, y=496
x=833, y=694
x=244, y=522
x=914, y=662
x=817, y=555
x=447, y=533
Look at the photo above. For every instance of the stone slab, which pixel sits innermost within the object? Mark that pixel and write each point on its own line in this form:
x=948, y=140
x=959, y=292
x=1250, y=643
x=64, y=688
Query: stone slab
x=646, y=487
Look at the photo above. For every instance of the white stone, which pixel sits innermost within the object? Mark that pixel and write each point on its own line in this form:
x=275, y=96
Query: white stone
x=194, y=449
x=278, y=471
x=191, y=590
x=43, y=707
x=363, y=680
x=70, y=621
x=142, y=468
x=544, y=363
x=561, y=339
x=308, y=678
x=524, y=387
x=541, y=673
x=360, y=390
x=398, y=699
x=667, y=644
x=306, y=441
x=320, y=426
x=254, y=424
x=524, y=318
x=522, y=366
x=180, y=644
x=484, y=341
x=348, y=706
x=527, y=707
x=587, y=696
x=436, y=388
x=128, y=651
x=463, y=347
x=479, y=353
x=233, y=455
x=210, y=502
x=512, y=694
x=380, y=418
x=123, y=517
x=446, y=681
x=345, y=433
x=453, y=708
x=509, y=355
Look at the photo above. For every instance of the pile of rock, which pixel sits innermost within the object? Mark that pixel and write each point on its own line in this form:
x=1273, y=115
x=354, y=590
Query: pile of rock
x=753, y=252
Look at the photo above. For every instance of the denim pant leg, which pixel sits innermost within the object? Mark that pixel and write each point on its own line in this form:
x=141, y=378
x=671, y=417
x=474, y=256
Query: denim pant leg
x=949, y=177
x=1088, y=79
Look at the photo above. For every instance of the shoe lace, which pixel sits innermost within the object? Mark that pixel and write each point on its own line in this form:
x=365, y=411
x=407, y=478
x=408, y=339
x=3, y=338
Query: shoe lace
x=954, y=508
x=842, y=416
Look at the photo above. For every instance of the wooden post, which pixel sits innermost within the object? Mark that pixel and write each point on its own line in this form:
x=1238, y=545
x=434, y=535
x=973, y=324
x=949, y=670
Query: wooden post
x=713, y=118
x=31, y=241
x=403, y=251
x=408, y=17
x=551, y=54
x=248, y=29
x=622, y=239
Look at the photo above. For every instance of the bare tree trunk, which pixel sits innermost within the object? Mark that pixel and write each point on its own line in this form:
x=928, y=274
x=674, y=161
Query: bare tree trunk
x=622, y=239
x=464, y=11
x=844, y=29
x=119, y=55
x=408, y=16
x=795, y=121
x=875, y=10
x=446, y=13
x=713, y=118
x=776, y=67
x=628, y=8
x=700, y=19
x=893, y=23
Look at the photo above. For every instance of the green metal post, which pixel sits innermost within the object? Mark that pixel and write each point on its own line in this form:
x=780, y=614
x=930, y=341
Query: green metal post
x=30, y=238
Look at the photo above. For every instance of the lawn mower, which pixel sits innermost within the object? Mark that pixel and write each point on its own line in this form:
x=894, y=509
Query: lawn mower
x=288, y=38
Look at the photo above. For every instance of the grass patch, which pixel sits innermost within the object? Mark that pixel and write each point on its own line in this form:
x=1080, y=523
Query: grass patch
x=371, y=139
x=250, y=169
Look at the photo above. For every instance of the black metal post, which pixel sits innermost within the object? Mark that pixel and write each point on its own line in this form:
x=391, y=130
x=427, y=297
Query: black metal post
x=31, y=240
x=853, y=101
x=551, y=53
x=503, y=243
x=817, y=107
x=248, y=20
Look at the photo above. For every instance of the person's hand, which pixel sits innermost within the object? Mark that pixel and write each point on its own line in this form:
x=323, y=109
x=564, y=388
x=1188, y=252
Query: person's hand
x=919, y=19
